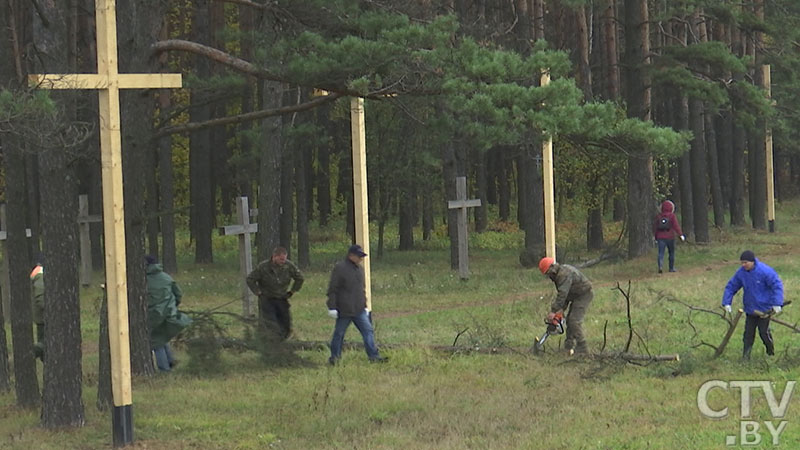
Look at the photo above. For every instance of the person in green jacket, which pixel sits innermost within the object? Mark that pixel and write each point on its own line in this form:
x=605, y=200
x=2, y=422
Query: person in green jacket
x=270, y=282
x=37, y=300
x=574, y=292
x=164, y=319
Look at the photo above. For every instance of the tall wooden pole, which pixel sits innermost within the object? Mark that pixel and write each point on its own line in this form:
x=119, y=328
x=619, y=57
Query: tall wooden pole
x=360, y=201
x=108, y=81
x=767, y=77
x=549, y=196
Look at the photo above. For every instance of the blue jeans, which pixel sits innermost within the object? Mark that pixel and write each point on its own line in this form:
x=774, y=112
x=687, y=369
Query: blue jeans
x=367, y=333
x=670, y=245
x=164, y=358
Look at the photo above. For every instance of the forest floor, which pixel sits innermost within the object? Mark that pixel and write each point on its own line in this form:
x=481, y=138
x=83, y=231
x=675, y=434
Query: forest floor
x=425, y=398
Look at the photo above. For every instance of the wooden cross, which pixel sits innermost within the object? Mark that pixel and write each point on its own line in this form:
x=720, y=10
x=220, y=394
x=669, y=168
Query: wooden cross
x=4, y=269
x=84, y=219
x=462, y=203
x=244, y=229
x=360, y=200
x=108, y=81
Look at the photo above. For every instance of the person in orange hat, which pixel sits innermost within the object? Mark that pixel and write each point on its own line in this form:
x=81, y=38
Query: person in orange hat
x=574, y=292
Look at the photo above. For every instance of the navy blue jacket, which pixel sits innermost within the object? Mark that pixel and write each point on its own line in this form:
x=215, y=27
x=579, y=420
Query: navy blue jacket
x=763, y=288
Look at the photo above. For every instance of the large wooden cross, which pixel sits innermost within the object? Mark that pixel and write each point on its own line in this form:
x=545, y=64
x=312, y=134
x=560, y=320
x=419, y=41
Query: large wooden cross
x=84, y=219
x=5, y=275
x=108, y=81
x=461, y=203
x=244, y=229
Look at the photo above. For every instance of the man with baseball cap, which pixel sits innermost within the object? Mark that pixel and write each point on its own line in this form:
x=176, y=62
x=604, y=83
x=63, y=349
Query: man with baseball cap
x=763, y=296
x=347, y=302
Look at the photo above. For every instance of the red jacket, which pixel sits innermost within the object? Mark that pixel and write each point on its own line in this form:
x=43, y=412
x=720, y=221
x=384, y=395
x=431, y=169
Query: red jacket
x=667, y=212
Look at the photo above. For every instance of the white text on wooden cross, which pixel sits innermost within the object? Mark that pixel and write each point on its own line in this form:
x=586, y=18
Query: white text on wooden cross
x=462, y=204
x=243, y=230
x=108, y=81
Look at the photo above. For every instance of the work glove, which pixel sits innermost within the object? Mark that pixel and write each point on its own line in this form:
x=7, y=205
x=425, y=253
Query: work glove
x=683, y=238
x=727, y=308
x=334, y=314
x=776, y=310
x=289, y=295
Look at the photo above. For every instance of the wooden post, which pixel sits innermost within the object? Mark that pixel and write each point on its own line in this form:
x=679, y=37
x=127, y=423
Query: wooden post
x=462, y=204
x=84, y=219
x=767, y=77
x=360, y=201
x=728, y=335
x=244, y=229
x=549, y=196
x=5, y=275
x=108, y=81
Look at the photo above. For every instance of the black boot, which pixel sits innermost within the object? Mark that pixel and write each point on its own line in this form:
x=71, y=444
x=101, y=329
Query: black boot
x=746, y=353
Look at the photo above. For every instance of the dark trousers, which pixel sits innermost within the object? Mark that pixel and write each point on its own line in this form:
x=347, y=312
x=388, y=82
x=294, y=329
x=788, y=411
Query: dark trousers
x=666, y=244
x=274, y=313
x=751, y=323
x=38, y=347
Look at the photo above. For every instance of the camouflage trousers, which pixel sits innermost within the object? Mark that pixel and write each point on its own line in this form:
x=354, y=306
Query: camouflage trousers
x=577, y=311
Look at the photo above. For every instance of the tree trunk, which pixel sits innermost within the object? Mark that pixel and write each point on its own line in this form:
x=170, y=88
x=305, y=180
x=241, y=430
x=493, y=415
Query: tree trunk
x=145, y=17
x=503, y=184
x=406, y=219
x=26, y=381
x=724, y=132
x=533, y=198
x=610, y=38
x=713, y=171
x=584, y=71
x=287, y=197
x=104, y=392
x=323, y=175
x=166, y=191
x=640, y=164
x=269, y=195
x=698, y=171
x=449, y=174
x=737, y=176
x=301, y=171
x=427, y=214
x=200, y=171
x=481, y=214
x=685, y=173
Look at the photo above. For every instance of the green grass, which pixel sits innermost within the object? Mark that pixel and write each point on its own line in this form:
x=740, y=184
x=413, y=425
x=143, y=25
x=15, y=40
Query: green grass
x=427, y=399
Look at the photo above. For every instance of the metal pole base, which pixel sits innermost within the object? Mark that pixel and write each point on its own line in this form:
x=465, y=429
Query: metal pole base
x=771, y=226
x=122, y=425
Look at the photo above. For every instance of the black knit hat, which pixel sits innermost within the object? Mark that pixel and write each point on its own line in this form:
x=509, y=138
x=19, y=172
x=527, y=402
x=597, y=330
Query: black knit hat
x=748, y=255
x=150, y=259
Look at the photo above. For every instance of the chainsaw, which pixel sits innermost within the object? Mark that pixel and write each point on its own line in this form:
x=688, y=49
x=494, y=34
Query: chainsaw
x=554, y=326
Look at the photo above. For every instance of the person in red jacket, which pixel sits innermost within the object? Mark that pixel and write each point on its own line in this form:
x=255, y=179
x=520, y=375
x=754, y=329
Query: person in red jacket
x=665, y=228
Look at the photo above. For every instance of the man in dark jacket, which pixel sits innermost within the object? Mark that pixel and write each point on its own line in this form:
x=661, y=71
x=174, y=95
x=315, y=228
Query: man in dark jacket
x=665, y=228
x=763, y=293
x=575, y=292
x=270, y=282
x=347, y=302
x=163, y=298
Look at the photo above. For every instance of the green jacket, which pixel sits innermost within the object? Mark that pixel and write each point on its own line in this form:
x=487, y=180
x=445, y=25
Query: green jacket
x=272, y=280
x=163, y=296
x=37, y=294
x=570, y=283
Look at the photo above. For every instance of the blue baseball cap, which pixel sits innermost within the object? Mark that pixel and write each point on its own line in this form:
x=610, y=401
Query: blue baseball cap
x=356, y=250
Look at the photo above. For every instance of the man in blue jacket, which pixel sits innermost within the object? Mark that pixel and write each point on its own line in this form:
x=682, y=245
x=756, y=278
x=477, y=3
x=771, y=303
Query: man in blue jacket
x=763, y=293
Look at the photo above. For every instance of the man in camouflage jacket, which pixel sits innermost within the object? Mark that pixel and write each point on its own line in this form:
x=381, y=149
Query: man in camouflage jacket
x=270, y=282
x=575, y=292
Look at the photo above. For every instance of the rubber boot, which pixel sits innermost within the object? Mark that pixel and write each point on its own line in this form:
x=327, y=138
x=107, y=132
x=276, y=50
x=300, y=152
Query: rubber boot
x=746, y=353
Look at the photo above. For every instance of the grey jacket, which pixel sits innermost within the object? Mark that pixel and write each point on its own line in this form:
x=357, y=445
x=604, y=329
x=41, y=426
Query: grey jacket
x=346, y=292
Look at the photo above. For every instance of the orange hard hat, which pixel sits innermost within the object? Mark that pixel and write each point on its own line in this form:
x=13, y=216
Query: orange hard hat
x=545, y=263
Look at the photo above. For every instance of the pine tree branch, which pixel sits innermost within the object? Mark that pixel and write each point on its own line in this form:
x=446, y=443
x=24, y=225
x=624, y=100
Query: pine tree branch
x=255, y=115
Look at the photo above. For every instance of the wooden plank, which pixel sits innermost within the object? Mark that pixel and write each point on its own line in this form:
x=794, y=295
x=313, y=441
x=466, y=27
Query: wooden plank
x=234, y=230
x=453, y=204
x=766, y=74
x=360, y=200
x=549, y=189
x=463, y=242
x=245, y=253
